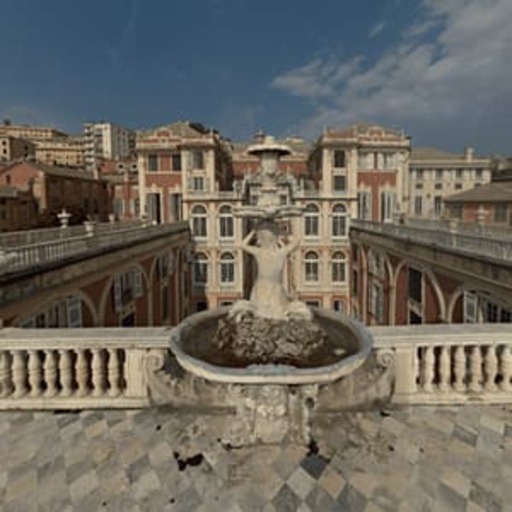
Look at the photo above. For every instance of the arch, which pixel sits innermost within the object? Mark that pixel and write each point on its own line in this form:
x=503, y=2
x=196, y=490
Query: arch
x=459, y=291
x=200, y=268
x=339, y=224
x=174, y=261
x=199, y=220
x=56, y=297
x=227, y=268
x=108, y=286
x=338, y=267
x=339, y=208
x=433, y=279
x=226, y=221
x=311, y=220
x=311, y=267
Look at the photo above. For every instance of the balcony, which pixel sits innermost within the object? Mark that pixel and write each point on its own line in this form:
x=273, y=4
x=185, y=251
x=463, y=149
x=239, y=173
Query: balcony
x=469, y=240
x=26, y=250
x=109, y=368
x=81, y=430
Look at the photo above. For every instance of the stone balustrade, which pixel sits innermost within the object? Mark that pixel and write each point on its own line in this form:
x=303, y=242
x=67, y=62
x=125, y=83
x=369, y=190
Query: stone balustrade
x=107, y=367
x=450, y=364
x=483, y=244
x=77, y=368
x=489, y=231
x=40, y=253
x=33, y=236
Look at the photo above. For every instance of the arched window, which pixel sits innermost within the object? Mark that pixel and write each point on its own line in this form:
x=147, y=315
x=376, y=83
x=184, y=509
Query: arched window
x=339, y=221
x=200, y=268
x=199, y=221
x=226, y=228
x=311, y=267
x=227, y=268
x=311, y=221
x=338, y=274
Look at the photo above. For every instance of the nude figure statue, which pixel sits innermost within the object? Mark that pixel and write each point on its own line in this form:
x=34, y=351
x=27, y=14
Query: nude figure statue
x=268, y=296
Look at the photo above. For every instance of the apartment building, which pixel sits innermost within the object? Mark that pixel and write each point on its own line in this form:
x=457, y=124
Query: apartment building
x=435, y=175
x=65, y=151
x=106, y=140
x=29, y=132
x=14, y=148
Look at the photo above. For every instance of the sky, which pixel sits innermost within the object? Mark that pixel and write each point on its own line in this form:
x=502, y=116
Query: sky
x=440, y=70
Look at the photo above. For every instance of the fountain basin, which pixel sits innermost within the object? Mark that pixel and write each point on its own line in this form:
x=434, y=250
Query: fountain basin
x=191, y=344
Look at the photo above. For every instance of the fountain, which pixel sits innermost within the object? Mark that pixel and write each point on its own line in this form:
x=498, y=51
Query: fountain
x=270, y=357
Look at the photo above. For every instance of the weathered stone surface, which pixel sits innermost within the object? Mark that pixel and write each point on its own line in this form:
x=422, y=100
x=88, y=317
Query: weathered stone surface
x=251, y=339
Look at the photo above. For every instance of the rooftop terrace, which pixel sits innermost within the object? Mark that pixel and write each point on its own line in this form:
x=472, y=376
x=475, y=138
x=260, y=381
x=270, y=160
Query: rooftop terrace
x=409, y=459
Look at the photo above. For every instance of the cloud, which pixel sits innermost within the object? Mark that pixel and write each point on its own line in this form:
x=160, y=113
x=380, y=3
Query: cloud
x=377, y=29
x=446, y=78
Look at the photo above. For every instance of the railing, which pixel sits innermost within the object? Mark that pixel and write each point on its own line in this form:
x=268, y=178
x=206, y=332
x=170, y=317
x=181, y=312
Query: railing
x=33, y=236
x=76, y=368
x=107, y=368
x=464, y=228
x=40, y=253
x=484, y=245
x=450, y=363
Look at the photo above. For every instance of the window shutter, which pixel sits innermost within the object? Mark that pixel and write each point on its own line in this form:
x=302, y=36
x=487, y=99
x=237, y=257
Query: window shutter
x=74, y=304
x=470, y=308
x=117, y=294
x=137, y=284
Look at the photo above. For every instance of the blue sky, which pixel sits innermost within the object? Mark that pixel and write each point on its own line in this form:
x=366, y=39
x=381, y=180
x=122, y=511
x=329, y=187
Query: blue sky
x=439, y=69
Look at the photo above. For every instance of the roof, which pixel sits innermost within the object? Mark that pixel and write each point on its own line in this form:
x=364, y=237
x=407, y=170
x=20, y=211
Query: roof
x=364, y=129
x=427, y=153
x=181, y=129
x=489, y=193
x=69, y=172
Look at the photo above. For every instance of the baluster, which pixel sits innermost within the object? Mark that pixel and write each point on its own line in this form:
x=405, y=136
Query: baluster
x=444, y=369
x=427, y=369
x=35, y=373
x=6, y=386
x=459, y=369
x=475, y=361
x=114, y=372
x=506, y=368
x=99, y=376
x=19, y=373
x=66, y=372
x=491, y=368
x=82, y=373
x=416, y=368
x=50, y=373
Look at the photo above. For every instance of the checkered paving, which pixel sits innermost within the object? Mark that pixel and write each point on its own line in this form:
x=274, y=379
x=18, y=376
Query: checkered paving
x=415, y=459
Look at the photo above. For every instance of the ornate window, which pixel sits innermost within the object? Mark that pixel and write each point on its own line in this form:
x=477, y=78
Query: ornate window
x=311, y=221
x=311, y=267
x=199, y=221
x=339, y=221
x=338, y=267
x=226, y=227
x=227, y=268
x=200, y=268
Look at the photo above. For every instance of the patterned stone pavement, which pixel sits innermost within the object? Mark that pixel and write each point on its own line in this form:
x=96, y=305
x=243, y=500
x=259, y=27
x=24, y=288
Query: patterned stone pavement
x=415, y=459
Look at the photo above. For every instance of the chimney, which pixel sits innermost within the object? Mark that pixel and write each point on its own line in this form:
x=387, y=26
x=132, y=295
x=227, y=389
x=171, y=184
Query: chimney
x=468, y=154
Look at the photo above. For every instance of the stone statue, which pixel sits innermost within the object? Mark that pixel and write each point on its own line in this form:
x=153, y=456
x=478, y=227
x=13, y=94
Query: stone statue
x=268, y=296
x=270, y=252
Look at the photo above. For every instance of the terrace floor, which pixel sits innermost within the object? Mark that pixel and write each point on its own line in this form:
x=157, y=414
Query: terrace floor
x=412, y=459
